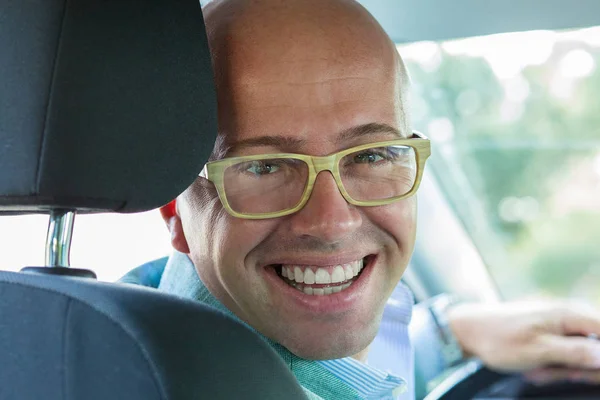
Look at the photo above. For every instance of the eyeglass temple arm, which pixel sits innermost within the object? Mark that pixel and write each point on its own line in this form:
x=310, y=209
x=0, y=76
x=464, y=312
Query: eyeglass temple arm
x=204, y=172
x=418, y=135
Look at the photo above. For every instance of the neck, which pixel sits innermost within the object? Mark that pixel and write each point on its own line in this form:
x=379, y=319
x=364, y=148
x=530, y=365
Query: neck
x=362, y=356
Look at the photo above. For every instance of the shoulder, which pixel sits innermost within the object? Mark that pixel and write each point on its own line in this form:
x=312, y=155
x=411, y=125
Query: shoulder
x=148, y=274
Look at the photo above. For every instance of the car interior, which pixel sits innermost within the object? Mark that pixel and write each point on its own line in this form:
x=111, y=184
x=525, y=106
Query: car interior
x=93, y=92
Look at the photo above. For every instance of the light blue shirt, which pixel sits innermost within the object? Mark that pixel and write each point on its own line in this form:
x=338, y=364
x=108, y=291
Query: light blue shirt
x=390, y=355
x=392, y=350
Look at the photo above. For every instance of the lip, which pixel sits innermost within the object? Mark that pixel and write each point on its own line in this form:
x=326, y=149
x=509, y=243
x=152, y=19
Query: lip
x=327, y=304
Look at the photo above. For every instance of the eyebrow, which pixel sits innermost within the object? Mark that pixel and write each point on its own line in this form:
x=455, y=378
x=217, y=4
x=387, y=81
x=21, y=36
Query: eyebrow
x=367, y=130
x=284, y=143
x=290, y=145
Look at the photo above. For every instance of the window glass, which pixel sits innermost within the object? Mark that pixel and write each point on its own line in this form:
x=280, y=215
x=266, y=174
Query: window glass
x=516, y=150
x=108, y=244
x=515, y=126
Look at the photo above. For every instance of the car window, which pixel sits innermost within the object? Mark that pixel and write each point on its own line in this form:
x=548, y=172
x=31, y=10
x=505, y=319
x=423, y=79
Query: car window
x=515, y=132
x=516, y=152
x=108, y=244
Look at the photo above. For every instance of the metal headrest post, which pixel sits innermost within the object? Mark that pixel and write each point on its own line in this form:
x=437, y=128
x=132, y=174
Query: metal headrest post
x=58, y=238
x=58, y=247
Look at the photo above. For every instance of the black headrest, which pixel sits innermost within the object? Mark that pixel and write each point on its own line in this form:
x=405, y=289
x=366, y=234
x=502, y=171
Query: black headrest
x=105, y=105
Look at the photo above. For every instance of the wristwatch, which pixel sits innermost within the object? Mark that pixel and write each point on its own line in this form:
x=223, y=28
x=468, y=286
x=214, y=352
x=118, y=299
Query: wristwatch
x=451, y=351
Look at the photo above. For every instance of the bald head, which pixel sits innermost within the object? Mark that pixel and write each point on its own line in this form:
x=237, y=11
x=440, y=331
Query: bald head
x=274, y=28
x=299, y=42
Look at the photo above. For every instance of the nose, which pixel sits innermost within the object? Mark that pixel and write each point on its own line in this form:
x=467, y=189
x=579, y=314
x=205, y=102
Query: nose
x=327, y=215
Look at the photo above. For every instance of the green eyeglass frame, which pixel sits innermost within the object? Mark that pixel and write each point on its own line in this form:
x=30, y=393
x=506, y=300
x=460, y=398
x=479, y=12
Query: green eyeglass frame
x=214, y=171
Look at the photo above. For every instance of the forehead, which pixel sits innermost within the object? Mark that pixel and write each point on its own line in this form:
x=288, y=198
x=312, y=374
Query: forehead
x=314, y=103
x=303, y=84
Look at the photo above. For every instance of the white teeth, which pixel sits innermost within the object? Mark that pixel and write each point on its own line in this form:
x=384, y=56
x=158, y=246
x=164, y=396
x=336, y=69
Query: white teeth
x=338, y=274
x=298, y=275
x=348, y=274
x=322, y=276
x=309, y=276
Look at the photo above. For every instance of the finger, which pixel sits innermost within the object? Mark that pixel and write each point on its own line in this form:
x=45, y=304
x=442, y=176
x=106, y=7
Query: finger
x=569, y=351
x=550, y=375
x=580, y=319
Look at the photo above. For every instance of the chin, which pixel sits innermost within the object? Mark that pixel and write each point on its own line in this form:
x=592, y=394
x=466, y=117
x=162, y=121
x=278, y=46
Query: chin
x=338, y=343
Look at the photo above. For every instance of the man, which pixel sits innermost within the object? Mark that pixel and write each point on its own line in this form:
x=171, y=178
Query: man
x=305, y=249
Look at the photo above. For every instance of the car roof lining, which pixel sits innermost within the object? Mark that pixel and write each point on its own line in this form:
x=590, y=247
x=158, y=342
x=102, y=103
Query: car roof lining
x=411, y=21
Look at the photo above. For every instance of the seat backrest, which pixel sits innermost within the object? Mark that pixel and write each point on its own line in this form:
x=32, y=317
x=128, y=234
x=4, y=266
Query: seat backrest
x=109, y=105
x=73, y=338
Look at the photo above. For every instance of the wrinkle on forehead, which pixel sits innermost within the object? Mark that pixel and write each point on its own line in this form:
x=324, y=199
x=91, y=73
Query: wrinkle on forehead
x=316, y=82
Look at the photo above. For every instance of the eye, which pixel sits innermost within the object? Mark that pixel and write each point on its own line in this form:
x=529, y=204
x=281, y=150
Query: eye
x=261, y=168
x=368, y=157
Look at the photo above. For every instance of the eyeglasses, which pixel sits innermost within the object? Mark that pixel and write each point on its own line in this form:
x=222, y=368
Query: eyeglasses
x=273, y=185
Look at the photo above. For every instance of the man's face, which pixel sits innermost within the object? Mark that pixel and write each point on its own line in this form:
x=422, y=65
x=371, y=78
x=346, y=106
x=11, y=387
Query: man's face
x=311, y=98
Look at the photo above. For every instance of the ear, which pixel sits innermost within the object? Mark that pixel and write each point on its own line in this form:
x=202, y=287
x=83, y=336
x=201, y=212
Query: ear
x=173, y=221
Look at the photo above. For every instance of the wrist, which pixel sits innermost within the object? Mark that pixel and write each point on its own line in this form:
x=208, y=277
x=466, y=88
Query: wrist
x=458, y=323
x=451, y=347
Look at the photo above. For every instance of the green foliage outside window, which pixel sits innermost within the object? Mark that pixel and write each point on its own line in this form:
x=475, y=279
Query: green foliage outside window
x=516, y=150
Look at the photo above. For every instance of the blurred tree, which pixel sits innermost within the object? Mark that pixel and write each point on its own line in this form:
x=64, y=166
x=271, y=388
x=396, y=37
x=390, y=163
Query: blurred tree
x=502, y=152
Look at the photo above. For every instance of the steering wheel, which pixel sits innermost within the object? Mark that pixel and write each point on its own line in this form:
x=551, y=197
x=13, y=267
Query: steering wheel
x=475, y=381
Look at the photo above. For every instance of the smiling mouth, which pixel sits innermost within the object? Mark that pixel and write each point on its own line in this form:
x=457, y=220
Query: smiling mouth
x=319, y=280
